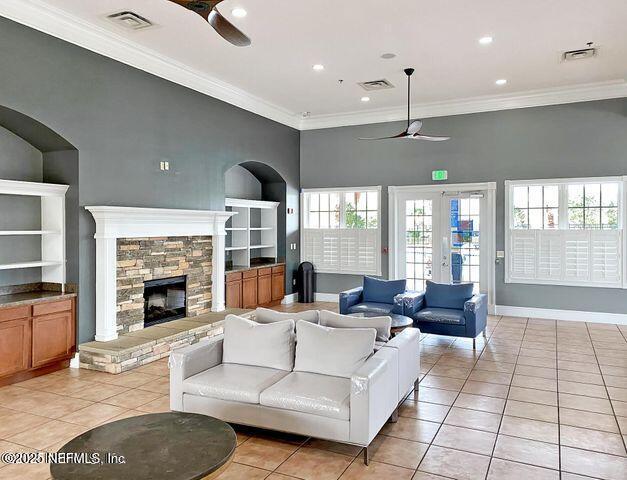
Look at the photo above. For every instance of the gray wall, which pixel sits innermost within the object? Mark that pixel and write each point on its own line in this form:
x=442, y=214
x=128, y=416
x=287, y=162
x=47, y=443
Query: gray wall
x=19, y=160
x=240, y=183
x=577, y=140
x=123, y=122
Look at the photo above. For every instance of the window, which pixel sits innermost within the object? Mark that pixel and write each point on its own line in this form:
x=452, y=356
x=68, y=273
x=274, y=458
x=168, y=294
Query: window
x=341, y=230
x=565, y=232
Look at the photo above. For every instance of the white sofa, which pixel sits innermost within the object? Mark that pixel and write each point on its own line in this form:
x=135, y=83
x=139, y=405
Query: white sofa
x=257, y=374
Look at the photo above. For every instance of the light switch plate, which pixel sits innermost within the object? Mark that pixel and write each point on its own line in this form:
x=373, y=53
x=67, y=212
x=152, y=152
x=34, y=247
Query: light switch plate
x=500, y=254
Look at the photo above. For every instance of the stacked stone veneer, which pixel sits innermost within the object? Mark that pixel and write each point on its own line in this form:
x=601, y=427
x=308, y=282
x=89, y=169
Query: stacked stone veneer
x=142, y=259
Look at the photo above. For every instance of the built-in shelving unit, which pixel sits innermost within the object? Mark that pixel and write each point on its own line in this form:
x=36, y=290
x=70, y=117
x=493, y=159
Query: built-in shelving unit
x=52, y=260
x=252, y=232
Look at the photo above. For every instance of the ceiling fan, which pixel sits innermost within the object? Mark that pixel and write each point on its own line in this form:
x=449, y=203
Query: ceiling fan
x=413, y=128
x=208, y=11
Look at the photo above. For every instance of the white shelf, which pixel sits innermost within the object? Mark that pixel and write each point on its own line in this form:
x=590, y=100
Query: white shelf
x=260, y=229
x=261, y=246
x=232, y=249
x=235, y=229
x=15, y=266
x=28, y=232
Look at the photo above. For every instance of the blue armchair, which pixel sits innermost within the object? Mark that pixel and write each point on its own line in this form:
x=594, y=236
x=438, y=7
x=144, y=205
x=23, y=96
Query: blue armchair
x=448, y=309
x=376, y=297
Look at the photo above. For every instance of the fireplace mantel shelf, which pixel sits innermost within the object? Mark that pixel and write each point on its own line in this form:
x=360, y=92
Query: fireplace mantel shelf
x=113, y=222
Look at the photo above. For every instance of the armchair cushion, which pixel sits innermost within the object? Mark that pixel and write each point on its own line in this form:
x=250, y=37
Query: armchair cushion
x=372, y=307
x=382, y=291
x=444, y=295
x=448, y=316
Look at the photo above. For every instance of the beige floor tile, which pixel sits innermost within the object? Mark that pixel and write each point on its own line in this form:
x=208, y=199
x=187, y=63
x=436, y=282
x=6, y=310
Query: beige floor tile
x=33, y=471
x=536, y=362
x=491, y=377
x=577, y=366
x=237, y=471
x=343, y=448
x=431, y=412
x=533, y=396
x=526, y=381
x=278, y=476
x=589, y=404
x=495, y=366
x=581, y=377
x=375, y=471
x=531, y=429
x=161, y=404
x=534, y=411
x=436, y=395
x=42, y=436
x=487, y=389
x=132, y=398
x=93, y=415
x=396, y=451
x=411, y=429
x=550, y=373
x=160, y=385
x=527, y=451
x=620, y=408
x=427, y=476
x=594, y=421
x=474, y=441
x=99, y=391
x=614, y=381
x=585, y=389
x=449, y=371
x=474, y=419
x=480, y=402
x=130, y=379
x=155, y=368
x=314, y=464
x=444, y=383
x=455, y=464
x=506, y=470
x=618, y=393
x=595, y=440
x=123, y=415
x=594, y=464
x=18, y=422
x=263, y=453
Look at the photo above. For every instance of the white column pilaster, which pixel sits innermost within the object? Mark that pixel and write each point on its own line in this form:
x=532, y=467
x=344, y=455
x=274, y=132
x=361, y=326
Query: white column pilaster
x=217, y=275
x=106, y=289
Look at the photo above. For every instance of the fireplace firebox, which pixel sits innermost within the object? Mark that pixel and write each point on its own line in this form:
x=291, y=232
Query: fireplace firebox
x=165, y=299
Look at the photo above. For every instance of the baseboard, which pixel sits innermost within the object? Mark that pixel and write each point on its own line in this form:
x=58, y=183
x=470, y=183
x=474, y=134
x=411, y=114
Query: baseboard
x=326, y=297
x=555, y=314
x=289, y=299
x=74, y=361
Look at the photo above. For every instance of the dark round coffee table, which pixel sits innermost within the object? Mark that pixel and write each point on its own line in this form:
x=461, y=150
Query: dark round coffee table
x=172, y=446
x=399, y=322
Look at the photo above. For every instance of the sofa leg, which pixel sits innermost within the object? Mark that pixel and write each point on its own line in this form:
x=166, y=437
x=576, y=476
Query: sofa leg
x=485, y=335
x=394, y=416
x=366, y=456
x=416, y=385
x=474, y=344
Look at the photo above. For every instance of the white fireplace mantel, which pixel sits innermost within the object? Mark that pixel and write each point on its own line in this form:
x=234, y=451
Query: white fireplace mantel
x=131, y=222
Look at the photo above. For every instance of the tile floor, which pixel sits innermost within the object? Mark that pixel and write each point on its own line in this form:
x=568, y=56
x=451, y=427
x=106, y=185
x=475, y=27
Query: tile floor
x=540, y=399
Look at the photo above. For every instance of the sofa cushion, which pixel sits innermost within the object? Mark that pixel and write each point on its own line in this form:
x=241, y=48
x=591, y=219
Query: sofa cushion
x=237, y=383
x=382, y=291
x=310, y=393
x=381, y=324
x=332, y=351
x=372, y=307
x=265, y=315
x=444, y=295
x=264, y=345
x=441, y=315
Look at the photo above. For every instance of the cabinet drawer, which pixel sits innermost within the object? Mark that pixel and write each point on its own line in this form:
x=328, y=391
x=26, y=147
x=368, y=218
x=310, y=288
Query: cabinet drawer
x=52, y=307
x=265, y=271
x=233, y=277
x=249, y=273
x=278, y=269
x=7, y=314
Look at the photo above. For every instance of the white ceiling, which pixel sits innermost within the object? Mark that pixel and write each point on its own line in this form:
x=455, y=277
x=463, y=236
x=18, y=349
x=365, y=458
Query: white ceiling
x=274, y=76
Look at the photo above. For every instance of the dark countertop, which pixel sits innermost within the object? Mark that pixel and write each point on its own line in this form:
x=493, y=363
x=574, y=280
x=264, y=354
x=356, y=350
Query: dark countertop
x=28, y=298
x=236, y=268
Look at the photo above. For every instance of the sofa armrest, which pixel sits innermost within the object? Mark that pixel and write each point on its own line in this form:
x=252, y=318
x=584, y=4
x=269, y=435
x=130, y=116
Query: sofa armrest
x=411, y=302
x=190, y=360
x=476, y=313
x=407, y=343
x=350, y=298
x=373, y=395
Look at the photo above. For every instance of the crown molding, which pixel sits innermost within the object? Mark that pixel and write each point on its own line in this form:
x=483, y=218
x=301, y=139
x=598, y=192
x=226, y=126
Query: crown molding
x=61, y=24
x=532, y=98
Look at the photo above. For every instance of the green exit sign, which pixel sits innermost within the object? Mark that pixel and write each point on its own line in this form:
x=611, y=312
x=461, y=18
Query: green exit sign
x=439, y=175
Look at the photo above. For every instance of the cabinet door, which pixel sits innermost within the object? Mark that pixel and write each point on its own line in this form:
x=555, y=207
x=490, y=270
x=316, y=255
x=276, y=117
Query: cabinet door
x=264, y=289
x=52, y=337
x=14, y=346
x=233, y=293
x=278, y=286
x=249, y=292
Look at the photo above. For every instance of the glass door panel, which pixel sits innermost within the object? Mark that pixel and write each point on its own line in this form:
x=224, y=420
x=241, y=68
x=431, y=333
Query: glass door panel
x=418, y=243
x=462, y=254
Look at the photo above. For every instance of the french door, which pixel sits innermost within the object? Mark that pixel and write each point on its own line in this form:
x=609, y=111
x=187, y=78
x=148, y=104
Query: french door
x=445, y=236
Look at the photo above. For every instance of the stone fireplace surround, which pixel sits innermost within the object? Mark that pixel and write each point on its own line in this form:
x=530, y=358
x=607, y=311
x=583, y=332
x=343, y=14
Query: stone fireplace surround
x=119, y=225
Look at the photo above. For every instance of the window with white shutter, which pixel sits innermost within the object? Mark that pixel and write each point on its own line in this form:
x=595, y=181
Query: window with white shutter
x=341, y=230
x=565, y=232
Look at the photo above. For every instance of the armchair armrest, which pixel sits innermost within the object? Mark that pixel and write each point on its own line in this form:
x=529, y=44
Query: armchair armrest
x=411, y=302
x=190, y=360
x=373, y=395
x=350, y=298
x=407, y=343
x=476, y=313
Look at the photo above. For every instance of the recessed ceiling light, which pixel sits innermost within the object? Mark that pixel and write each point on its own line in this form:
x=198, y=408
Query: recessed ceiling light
x=365, y=99
x=486, y=40
x=501, y=81
x=388, y=56
x=239, y=12
x=318, y=67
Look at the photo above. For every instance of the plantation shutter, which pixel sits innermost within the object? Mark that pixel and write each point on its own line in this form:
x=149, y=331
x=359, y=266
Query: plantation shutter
x=342, y=250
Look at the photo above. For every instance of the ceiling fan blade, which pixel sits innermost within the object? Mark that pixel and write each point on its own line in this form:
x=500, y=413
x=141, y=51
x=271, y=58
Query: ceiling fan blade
x=227, y=30
x=400, y=135
x=431, y=138
x=414, y=127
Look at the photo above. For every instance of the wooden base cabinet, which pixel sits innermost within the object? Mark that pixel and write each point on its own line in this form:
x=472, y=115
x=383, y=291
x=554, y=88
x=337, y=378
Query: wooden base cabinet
x=256, y=287
x=36, y=339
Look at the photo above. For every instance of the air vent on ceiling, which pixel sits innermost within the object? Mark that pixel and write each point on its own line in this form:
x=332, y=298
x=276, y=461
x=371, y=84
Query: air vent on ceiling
x=130, y=20
x=580, y=54
x=376, y=85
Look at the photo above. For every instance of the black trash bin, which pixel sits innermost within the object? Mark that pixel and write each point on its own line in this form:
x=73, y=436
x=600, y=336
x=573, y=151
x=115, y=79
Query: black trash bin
x=305, y=281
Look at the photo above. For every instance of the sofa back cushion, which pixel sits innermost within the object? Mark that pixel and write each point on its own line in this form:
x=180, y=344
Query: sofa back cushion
x=381, y=324
x=382, y=291
x=444, y=295
x=338, y=352
x=261, y=345
x=265, y=315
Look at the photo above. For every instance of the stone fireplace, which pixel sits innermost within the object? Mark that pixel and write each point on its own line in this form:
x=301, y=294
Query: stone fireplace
x=136, y=246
